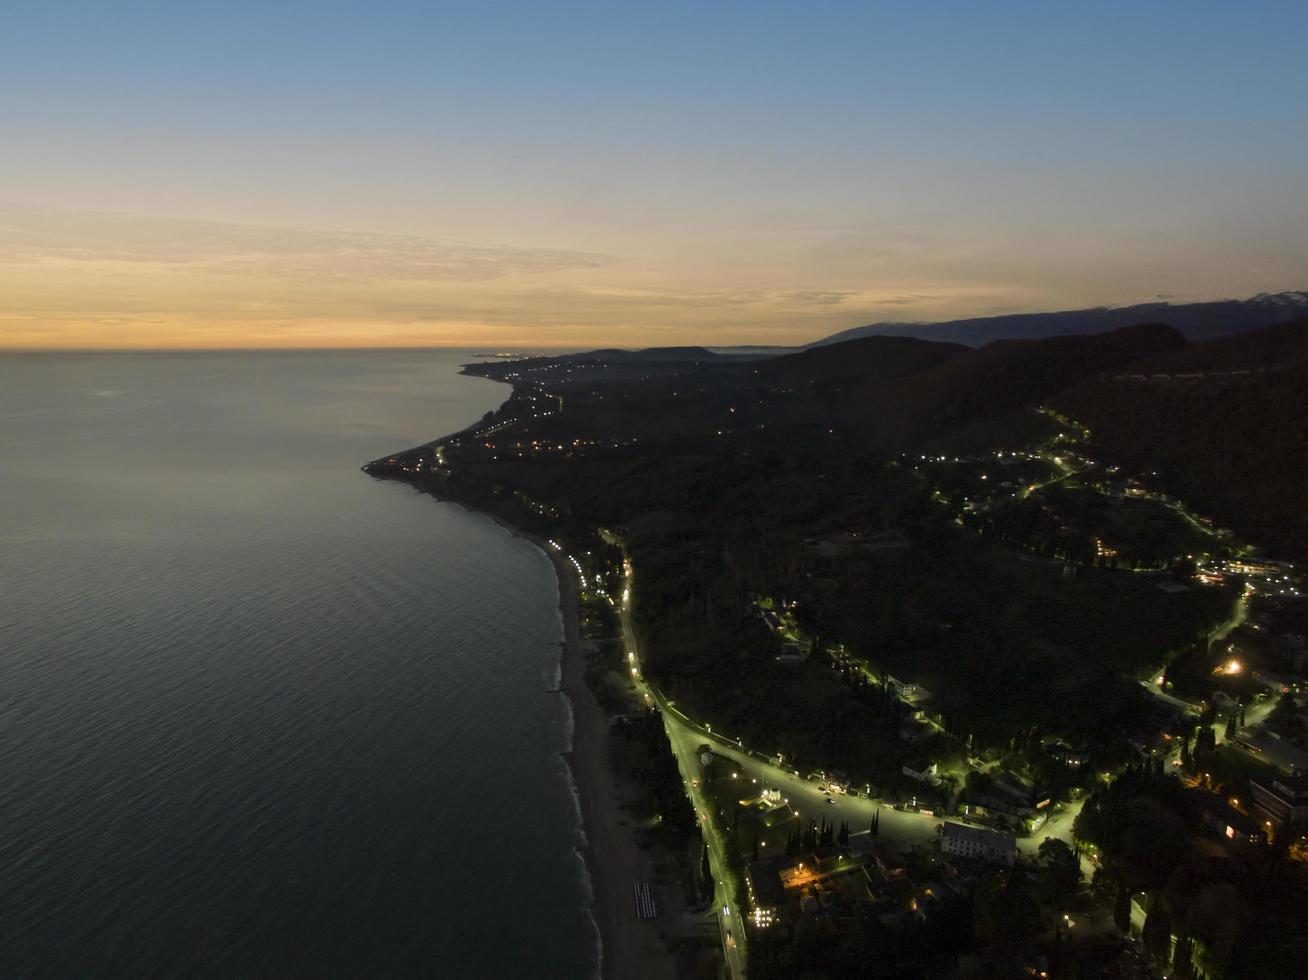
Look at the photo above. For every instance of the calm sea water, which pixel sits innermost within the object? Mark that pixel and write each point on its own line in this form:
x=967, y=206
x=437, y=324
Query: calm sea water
x=260, y=714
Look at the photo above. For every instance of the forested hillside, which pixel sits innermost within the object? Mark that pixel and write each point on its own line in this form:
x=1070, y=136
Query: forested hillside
x=1223, y=424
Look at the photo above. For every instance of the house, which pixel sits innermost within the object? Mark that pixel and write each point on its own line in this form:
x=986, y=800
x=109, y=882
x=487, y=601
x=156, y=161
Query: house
x=888, y=860
x=921, y=770
x=1281, y=801
x=791, y=653
x=1073, y=758
x=1225, y=821
x=978, y=844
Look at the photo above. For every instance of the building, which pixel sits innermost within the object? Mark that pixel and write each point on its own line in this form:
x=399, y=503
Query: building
x=767, y=895
x=1281, y=801
x=1278, y=683
x=1225, y=821
x=1009, y=783
x=978, y=844
x=791, y=653
x=1072, y=757
x=1259, y=567
x=921, y=770
x=907, y=691
x=888, y=860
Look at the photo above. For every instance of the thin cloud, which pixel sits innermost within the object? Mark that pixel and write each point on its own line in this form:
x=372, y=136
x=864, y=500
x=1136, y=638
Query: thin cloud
x=30, y=235
x=816, y=297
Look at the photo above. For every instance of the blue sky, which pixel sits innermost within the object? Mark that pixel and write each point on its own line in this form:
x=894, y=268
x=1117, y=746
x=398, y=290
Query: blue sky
x=706, y=165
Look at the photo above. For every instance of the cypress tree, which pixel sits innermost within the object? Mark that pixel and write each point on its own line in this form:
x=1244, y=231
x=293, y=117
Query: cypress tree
x=1122, y=911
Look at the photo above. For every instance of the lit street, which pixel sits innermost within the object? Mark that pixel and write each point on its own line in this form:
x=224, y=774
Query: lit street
x=899, y=828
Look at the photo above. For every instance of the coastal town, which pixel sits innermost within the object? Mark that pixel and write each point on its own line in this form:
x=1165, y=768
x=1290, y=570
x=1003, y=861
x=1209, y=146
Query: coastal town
x=952, y=833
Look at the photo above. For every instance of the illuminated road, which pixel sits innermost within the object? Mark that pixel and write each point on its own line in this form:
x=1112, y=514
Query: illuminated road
x=897, y=827
x=1267, y=747
x=730, y=921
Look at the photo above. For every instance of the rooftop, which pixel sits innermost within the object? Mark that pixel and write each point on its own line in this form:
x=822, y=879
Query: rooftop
x=978, y=835
x=1288, y=788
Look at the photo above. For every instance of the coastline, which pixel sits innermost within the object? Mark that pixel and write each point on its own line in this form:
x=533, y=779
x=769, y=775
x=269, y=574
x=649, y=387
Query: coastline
x=629, y=946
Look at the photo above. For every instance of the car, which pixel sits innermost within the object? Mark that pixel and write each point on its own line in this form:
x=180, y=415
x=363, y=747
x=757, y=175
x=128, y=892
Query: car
x=830, y=800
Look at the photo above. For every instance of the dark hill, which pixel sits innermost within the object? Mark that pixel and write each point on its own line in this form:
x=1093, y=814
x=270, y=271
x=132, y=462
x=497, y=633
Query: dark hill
x=650, y=355
x=1197, y=321
x=1224, y=424
x=864, y=361
x=1006, y=376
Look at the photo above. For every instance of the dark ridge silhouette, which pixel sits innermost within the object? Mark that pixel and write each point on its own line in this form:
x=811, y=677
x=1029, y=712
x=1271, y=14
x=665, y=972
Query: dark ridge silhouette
x=858, y=361
x=654, y=355
x=1196, y=321
x=978, y=385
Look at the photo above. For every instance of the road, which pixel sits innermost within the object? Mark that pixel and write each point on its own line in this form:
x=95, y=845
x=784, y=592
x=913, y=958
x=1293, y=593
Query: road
x=900, y=828
x=731, y=923
x=1270, y=749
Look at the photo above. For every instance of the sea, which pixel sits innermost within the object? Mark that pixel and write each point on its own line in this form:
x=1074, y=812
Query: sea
x=261, y=714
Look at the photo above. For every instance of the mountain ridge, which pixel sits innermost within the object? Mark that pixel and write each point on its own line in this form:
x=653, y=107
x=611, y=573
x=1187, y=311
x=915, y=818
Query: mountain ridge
x=1196, y=321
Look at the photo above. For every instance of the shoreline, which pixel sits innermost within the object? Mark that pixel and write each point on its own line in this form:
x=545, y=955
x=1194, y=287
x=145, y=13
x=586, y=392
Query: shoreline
x=628, y=946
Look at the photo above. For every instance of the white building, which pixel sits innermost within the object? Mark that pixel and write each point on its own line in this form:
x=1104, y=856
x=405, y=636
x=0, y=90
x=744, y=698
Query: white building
x=978, y=844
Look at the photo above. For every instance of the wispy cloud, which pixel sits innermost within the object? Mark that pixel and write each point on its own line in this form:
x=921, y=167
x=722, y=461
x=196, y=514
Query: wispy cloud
x=816, y=297
x=38, y=234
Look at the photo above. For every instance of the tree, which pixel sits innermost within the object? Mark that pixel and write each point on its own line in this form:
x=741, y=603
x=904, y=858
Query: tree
x=1003, y=911
x=1156, y=933
x=1182, y=959
x=1285, y=706
x=1232, y=727
x=1140, y=824
x=1102, y=888
x=843, y=837
x=1060, y=870
x=1122, y=911
x=875, y=828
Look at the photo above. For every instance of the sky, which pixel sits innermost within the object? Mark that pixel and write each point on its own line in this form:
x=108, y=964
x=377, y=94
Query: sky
x=556, y=174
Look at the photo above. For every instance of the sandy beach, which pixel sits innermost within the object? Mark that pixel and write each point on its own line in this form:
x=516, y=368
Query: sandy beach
x=632, y=947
